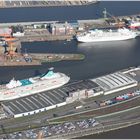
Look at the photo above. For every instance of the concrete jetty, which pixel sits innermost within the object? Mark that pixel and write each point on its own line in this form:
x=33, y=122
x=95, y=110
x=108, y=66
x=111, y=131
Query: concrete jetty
x=37, y=58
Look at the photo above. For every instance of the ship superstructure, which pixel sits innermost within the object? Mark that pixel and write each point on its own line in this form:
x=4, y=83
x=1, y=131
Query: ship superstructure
x=103, y=35
x=20, y=88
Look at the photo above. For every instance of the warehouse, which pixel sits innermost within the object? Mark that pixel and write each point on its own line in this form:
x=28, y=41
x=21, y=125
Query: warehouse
x=115, y=82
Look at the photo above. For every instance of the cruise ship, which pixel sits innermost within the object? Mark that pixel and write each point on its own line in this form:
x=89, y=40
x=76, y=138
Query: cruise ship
x=102, y=35
x=20, y=88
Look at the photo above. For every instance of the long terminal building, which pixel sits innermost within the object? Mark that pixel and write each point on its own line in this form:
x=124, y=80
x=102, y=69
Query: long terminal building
x=68, y=94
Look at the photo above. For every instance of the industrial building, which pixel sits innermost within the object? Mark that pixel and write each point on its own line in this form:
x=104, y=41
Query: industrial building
x=5, y=31
x=61, y=28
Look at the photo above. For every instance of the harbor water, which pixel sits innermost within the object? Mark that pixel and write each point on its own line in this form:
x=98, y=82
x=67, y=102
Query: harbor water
x=101, y=58
x=115, y=8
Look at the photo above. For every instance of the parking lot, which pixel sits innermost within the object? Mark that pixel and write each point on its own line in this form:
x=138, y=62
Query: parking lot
x=52, y=130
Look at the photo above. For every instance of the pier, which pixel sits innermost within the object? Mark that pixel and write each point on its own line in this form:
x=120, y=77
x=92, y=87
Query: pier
x=37, y=59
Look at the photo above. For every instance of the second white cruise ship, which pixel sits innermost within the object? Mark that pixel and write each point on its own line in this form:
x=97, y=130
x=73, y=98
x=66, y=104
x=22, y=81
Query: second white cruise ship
x=110, y=35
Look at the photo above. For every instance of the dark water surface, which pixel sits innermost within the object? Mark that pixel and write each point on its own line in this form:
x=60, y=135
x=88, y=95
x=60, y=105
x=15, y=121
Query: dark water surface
x=124, y=133
x=69, y=13
x=101, y=58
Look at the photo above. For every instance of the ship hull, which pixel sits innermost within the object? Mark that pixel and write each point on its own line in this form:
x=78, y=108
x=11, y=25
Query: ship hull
x=84, y=39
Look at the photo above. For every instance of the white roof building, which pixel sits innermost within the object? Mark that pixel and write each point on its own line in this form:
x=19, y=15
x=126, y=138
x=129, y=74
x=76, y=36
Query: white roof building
x=115, y=82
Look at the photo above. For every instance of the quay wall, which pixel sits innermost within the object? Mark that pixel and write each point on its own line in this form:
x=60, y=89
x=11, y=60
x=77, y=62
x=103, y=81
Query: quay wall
x=45, y=38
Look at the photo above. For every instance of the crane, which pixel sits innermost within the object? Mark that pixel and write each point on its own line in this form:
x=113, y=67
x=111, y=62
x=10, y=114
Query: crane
x=105, y=13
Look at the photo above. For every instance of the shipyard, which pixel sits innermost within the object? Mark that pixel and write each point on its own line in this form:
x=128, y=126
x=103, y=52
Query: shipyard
x=59, y=81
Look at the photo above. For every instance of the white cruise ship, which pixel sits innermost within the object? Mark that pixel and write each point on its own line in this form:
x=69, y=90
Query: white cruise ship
x=20, y=88
x=110, y=35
